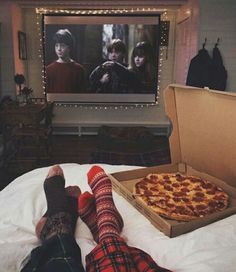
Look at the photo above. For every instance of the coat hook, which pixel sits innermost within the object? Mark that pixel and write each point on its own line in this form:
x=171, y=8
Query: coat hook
x=217, y=42
x=204, y=44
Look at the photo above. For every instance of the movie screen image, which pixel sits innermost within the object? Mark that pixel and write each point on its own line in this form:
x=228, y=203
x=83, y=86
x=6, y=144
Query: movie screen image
x=101, y=58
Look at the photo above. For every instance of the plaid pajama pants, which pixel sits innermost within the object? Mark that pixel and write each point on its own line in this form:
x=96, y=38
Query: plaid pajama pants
x=62, y=254
x=114, y=255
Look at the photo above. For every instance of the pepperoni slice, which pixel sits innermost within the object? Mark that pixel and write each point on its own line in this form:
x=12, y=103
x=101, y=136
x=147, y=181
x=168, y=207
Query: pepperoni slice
x=193, y=179
x=181, y=210
x=212, y=203
x=170, y=205
x=180, y=178
x=207, y=185
x=197, y=199
x=142, y=186
x=154, y=189
x=201, y=207
x=199, y=194
x=197, y=188
x=168, y=187
x=179, y=194
x=219, y=197
x=176, y=199
x=185, y=190
x=148, y=192
x=186, y=184
x=186, y=200
x=166, y=177
x=210, y=192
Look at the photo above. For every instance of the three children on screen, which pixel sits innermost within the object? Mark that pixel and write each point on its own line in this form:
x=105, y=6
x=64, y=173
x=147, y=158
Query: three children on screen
x=65, y=75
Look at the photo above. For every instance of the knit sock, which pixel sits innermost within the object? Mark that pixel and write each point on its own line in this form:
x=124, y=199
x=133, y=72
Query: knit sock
x=87, y=212
x=61, y=215
x=109, y=221
x=57, y=224
x=55, y=195
x=72, y=194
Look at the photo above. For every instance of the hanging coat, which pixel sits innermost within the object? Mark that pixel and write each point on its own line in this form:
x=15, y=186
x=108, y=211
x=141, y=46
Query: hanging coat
x=219, y=73
x=200, y=69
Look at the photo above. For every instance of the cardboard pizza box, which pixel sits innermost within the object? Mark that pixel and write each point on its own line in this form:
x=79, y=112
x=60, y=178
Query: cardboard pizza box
x=202, y=143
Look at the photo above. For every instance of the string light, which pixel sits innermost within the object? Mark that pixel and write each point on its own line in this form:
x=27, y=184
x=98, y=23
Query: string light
x=42, y=11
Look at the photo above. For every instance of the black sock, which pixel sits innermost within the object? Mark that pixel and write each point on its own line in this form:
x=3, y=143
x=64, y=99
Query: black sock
x=54, y=188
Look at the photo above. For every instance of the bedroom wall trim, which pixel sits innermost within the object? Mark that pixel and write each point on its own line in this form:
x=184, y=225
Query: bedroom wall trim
x=91, y=129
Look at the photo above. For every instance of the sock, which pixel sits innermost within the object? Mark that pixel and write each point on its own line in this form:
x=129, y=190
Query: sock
x=54, y=188
x=57, y=224
x=67, y=201
x=87, y=212
x=72, y=206
x=61, y=215
x=109, y=221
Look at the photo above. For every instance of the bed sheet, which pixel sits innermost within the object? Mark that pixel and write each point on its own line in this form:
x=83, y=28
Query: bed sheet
x=211, y=248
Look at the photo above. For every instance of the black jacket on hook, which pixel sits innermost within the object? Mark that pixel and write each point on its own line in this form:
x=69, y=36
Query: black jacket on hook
x=219, y=72
x=200, y=69
x=205, y=71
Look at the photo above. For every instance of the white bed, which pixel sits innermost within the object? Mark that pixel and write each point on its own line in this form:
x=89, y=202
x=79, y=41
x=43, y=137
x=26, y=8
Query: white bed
x=208, y=249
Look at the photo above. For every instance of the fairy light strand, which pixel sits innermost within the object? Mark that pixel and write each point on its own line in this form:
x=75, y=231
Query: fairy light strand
x=42, y=11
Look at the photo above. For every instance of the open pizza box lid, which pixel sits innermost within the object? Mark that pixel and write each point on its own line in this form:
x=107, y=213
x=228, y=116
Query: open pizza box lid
x=204, y=129
x=202, y=143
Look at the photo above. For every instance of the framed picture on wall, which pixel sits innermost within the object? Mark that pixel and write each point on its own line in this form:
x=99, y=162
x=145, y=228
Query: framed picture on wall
x=22, y=45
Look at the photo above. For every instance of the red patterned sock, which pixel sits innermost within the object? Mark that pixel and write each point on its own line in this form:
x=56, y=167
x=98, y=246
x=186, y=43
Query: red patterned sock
x=87, y=212
x=109, y=221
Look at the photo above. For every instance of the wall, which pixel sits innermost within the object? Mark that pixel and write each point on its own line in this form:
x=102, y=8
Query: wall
x=218, y=20
x=11, y=23
x=187, y=36
x=6, y=50
x=17, y=25
x=211, y=19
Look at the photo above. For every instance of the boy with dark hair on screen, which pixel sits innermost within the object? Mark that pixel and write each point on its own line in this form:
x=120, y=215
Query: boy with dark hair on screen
x=64, y=75
x=113, y=75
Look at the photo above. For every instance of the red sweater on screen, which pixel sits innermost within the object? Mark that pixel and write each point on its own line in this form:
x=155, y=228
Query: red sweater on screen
x=65, y=77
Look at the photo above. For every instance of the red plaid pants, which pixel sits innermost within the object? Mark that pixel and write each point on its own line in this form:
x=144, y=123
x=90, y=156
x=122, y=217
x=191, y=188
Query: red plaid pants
x=113, y=254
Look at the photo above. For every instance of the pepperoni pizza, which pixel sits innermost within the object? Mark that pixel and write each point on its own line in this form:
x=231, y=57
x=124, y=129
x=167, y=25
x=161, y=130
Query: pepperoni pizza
x=180, y=197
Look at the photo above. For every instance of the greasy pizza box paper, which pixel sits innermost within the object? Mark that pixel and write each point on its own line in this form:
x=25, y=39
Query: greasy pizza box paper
x=123, y=183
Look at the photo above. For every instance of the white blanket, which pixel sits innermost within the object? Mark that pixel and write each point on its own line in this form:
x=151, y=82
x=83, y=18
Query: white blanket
x=208, y=249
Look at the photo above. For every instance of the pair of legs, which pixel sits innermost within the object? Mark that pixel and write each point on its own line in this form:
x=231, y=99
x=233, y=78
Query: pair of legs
x=59, y=251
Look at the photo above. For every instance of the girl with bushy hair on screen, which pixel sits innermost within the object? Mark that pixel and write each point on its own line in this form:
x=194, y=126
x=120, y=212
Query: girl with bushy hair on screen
x=142, y=65
x=64, y=75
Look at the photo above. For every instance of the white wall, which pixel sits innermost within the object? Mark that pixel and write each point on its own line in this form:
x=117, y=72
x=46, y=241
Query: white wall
x=211, y=19
x=187, y=36
x=8, y=86
x=218, y=20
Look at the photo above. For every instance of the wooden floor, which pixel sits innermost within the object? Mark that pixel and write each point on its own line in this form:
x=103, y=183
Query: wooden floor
x=71, y=149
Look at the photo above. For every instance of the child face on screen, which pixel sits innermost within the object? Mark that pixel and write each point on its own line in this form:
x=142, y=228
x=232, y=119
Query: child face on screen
x=139, y=60
x=116, y=56
x=62, y=50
